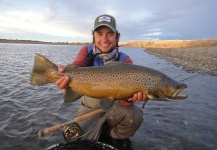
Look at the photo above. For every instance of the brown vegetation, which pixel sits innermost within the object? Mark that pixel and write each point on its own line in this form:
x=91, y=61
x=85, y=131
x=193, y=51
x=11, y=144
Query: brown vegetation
x=171, y=43
x=193, y=55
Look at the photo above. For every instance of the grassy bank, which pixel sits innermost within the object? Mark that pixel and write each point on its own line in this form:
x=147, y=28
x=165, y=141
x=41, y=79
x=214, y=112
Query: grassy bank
x=193, y=55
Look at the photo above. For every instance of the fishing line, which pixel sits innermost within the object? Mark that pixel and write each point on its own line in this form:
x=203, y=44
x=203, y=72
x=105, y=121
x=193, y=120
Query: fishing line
x=189, y=77
x=195, y=75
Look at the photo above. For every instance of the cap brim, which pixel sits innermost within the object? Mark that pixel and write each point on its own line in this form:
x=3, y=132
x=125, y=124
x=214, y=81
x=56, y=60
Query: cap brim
x=113, y=29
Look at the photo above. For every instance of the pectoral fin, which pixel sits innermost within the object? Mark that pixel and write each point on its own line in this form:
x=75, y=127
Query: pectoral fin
x=71, y=95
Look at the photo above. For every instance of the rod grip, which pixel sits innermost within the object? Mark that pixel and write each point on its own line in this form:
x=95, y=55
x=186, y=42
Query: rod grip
x=42, y=133
x=88, y=115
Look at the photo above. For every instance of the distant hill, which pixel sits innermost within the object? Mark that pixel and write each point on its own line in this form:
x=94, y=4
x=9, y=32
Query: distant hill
x=40, y=42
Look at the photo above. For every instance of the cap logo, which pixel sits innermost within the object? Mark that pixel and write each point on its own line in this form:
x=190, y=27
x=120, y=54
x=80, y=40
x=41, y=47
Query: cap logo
x=104, y=18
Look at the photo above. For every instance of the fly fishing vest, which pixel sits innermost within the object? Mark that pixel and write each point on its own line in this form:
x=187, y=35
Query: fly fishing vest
x=97, y=61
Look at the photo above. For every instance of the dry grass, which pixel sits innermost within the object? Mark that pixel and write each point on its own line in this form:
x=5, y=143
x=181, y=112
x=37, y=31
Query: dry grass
x=193, y=55
x=171, y=43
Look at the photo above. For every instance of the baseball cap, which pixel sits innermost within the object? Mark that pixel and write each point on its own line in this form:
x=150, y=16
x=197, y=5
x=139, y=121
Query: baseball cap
x=105, y=20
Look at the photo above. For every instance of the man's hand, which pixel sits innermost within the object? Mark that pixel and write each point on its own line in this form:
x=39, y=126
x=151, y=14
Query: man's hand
x=63, y=82
x=136, y=97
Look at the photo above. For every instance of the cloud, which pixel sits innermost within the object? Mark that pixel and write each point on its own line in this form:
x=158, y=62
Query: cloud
x=174, y=19
x=36, y=22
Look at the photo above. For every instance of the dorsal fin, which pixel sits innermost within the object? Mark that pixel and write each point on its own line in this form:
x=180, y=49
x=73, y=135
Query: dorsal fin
x=70, y=67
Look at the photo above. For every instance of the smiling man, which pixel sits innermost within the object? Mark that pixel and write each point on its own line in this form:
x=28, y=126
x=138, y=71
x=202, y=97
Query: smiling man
x=124, y=118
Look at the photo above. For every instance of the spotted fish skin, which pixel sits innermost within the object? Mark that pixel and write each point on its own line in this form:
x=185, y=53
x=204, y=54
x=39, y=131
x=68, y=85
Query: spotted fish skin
x=115, y=81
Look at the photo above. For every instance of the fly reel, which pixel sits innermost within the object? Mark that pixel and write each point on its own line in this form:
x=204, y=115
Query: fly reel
x=72, y=131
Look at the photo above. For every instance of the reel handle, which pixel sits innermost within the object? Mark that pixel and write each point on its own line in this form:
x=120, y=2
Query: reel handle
x=42, y=133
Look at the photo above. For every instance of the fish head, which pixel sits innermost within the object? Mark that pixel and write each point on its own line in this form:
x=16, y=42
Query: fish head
x=168, y=90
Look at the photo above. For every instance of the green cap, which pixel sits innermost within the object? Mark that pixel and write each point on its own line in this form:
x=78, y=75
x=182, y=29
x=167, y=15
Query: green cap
x=105, y=20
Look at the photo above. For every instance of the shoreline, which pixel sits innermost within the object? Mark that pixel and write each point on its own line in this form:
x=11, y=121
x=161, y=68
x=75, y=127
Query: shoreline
x=41, y=42
x=193, y=55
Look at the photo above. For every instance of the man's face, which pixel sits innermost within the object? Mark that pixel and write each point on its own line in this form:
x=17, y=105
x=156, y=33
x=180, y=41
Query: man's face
x=105, y=39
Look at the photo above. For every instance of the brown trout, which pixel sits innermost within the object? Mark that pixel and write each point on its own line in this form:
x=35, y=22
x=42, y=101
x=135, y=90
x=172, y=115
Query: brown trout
x=113, y=81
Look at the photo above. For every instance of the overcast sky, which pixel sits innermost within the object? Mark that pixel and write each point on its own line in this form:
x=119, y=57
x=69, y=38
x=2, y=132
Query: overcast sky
x=72, y=20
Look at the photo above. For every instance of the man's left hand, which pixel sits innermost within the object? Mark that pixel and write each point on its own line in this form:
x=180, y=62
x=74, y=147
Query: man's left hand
x=136, y=97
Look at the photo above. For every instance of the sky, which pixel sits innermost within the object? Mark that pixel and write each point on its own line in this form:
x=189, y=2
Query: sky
x=73, y=20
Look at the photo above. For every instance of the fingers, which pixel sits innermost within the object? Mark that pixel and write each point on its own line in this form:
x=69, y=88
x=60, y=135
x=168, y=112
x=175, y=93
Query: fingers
x=138, y=97
x=62, y=83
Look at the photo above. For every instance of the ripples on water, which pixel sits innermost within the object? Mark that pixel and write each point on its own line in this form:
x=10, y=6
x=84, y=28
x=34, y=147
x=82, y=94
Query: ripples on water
x=187, y=124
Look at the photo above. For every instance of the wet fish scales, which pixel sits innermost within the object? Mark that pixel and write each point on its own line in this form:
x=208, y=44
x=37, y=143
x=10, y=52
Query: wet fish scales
x=114, y=80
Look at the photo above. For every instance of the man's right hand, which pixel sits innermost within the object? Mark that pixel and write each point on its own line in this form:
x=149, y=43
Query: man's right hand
x=63, y=82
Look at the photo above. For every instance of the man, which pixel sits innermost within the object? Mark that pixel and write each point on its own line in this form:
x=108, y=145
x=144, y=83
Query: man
x=124, y=118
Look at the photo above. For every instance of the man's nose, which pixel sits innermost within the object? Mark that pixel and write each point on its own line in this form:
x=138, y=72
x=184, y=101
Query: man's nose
x=104, y=38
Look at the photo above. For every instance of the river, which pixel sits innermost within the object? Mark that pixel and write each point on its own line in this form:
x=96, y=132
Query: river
x=183, y=125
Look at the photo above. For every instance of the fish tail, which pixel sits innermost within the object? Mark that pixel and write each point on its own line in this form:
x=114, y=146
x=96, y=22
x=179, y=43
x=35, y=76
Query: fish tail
x=40, y=71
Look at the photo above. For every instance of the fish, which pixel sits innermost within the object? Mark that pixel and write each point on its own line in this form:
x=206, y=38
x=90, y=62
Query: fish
x=112, y=81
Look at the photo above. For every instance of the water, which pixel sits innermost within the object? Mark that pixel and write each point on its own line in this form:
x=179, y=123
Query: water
x=24, y=109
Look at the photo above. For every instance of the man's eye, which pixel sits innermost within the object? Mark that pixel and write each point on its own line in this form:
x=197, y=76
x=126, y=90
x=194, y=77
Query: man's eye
x=110, y=34
x=99, y=34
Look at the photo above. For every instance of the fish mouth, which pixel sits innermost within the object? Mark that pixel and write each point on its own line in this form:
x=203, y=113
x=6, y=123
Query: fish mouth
x=161, y=96
x=177, y=96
